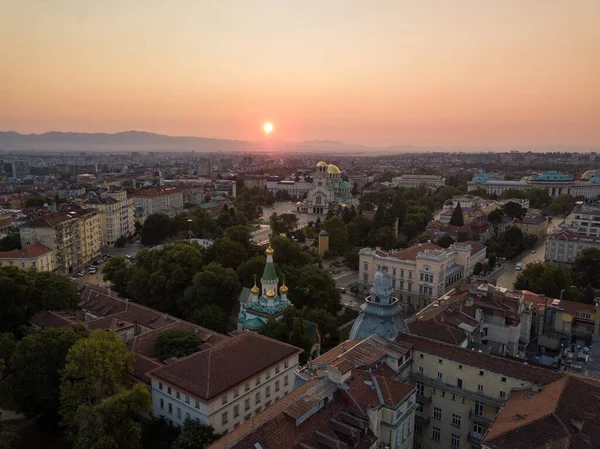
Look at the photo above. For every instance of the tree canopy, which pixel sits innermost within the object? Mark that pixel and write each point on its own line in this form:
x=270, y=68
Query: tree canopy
x=176, y=343
x=213, y=285
x=544, y=278
x=457, y=218
x=195, y=436
x=157, y=227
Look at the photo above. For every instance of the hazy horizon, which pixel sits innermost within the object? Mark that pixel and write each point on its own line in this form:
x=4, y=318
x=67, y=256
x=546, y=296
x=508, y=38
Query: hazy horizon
x=462, y=74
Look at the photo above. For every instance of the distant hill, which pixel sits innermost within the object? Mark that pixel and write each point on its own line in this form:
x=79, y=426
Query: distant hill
x=123, y=141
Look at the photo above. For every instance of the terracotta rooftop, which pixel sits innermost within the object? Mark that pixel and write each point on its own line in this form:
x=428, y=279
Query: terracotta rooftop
x=563, y=415
x=157, y=191
x=411, y=253
x=363, y=388
x=501, y=365
x=28, y=252
x=209, y=373
x=54, y=319
x=334, y=425
x=437, y=331
x=48, y=220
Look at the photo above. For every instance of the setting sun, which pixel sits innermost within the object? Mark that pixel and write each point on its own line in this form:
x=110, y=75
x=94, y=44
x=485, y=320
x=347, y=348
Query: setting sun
x=268, y=128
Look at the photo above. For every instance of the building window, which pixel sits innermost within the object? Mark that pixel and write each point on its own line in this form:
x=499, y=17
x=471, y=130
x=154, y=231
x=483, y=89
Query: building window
x=421, y=369
x=439, y=375
x=418, y=429
x=437, y=413
x=453, y=397
x=456, y=420
x=169, y=390
x=160, y=386
x=257, y=398
x=503, y=394
x=177, y=395
x=268, y=375
x=170, y=408
x=285, y=380
x=187, y=399
x=268, y=391
x=247, y=387
x=477, y=430
x=286, y=364
x=440, y=362
x=480, y=388
x=277, y=369
x=481, y=373
x=236, y=411
x=224, y=400
x=224, y=418
x=459, y=383
x=162, y=404
x=455, y=441
x=178, y=413
x=503, y=380
x=187, y=416
x=247, y=404
x=420, y=356
x=277, y=385
x=436, y=434
x=478, y=408
x=257, y=381
x=420, y=388
x=197, y=404
x=443, y=393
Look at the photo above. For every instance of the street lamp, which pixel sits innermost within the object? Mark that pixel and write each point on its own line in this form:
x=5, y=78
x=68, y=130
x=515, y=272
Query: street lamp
x=190, y=229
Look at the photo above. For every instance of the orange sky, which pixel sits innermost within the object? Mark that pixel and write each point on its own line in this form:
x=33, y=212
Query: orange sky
x=377, y=72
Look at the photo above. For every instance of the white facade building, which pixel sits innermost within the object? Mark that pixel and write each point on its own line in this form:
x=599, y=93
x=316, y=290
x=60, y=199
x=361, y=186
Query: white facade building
x=429, y=181
x=164, y=200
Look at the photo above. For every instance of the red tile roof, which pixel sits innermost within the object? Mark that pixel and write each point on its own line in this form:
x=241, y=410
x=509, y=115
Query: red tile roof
x=502, y=365
x=28, y=252
x=437, y=331
x=157, y=191
x=54, y=319
x=564, y=414
x=209, y=373
x=411, y=253
x=48, y=221
x=363, y=388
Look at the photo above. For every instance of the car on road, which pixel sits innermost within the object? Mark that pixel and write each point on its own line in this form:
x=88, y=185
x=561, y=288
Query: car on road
x=533, y=252
x=519, y=266
x=79, y=274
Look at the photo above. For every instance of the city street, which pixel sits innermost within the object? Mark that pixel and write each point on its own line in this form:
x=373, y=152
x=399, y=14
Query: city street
x=508, y=273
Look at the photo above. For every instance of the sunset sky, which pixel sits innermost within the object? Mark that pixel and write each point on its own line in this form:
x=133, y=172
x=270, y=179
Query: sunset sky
x=473, y=73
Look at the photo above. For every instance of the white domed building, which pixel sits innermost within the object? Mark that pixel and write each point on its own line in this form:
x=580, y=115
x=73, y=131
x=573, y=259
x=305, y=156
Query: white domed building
x=381, y=313
x=328, y=188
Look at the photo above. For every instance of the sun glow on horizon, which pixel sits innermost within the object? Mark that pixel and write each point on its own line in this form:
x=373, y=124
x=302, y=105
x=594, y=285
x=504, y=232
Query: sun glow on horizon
x=268, y=128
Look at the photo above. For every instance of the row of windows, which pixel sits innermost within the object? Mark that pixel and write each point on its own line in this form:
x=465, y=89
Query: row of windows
x=436, y=435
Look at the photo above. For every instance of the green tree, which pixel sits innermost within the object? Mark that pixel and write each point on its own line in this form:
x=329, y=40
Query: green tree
x=587, y=265
x=36, y=369
x=358, y=230
x=386, y=238
x=355, y=191
x=462, y=236
x=457, y=218
x=158, y=433
x=496, y=216
x=544, y=278
x=226, y=252
x=561, y=205
x=156, y=229
x=215, y=284
x=338, y=234
x=514, y=210
x=7, y=347
x=96, y=368
x=478, y=269
x=445, y=241
x=289, y=253
x=10, y=243
x=353, y=258
x=9, y=436
x=113, y=422
x=410, y=229
x=24, y=293
x=290, y=329
x=398, y=209
x=211, y=316
x=316, y=289
x=240, y=234
x=117, y=272
x=492, y=261
x=175, y=343
x=251, y=267
x=514, y=240
x=379, y=220
x=195, y=436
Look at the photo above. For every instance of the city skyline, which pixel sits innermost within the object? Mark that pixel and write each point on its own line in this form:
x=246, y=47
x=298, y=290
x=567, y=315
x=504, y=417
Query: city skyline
x=460, y=74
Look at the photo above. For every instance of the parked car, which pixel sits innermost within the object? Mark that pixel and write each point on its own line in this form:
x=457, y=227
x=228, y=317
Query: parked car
x=342, y=289
x=79, y=274
x=519, y=266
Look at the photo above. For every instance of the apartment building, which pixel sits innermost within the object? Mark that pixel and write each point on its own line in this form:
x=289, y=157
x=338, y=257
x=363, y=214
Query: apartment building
x=533, y=224
x=227, y=384
x=584, y=219
x=460, y=391
x=163, y=200
x=90, y=230
x=431, y=182
x=5, y=223
x=358, y=179
x=563, y=246
x=60, y=232
x=346, y=398
x=116, y=216
x=561, y=415
x=35, y=256
x=422, y=273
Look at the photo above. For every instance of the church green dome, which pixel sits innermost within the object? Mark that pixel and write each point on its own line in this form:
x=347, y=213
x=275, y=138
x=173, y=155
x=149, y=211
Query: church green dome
x=344, y=185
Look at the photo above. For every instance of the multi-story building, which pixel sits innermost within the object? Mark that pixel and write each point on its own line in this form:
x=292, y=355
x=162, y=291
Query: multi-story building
x=90, y=230
x=326, y=190
x=460, y=391
x=193, y=196
x=431, y=182
x=163, y=200
x=357, y=179
x=422, y=273
x=60, y=232
x=35, y=256
x=564, y=247
x=561, y=415
x=226, y=187
x=116, y=216
x=295, y=189
x=19, y=169
x=227, y=384
x=258, y=181
x=5, y=223
x=205, y=167
x=533, y=224
x=584, y=220
x=554, y=183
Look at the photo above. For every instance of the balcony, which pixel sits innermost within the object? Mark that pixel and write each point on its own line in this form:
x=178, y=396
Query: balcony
x=480, y=419
x=423, y=399
x=423, y=420
x=474, y=438
x=474, y=395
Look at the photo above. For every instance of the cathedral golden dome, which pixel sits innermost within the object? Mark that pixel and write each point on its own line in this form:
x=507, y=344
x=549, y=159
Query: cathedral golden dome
x=270, y=294
x=322, y=164
x=269, y=251
x=255, y=290
x=283, y=289
x=333, y=169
